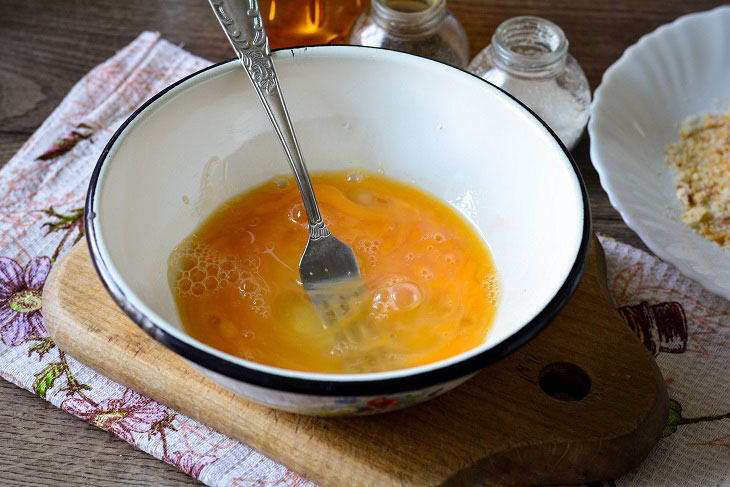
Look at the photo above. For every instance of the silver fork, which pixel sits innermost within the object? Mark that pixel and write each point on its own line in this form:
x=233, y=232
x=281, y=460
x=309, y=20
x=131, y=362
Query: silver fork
x=328, y=267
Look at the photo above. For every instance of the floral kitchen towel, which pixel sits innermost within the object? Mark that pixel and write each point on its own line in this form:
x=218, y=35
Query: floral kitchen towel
x=42, y=191
x=687, y=329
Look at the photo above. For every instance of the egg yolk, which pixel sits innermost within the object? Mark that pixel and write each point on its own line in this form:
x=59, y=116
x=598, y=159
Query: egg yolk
x=431, y=288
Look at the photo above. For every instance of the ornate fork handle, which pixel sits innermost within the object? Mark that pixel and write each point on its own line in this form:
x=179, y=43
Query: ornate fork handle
x=242, y=23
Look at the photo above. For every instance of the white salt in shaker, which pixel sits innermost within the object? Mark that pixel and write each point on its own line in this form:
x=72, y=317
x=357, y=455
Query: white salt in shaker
x=528, y=58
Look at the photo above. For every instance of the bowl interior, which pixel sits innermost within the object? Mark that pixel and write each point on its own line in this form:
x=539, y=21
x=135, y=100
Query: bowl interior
x=419, y=121
x=678, y=71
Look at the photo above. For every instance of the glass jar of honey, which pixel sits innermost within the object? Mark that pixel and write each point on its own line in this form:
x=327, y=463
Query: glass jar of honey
x=292, y=23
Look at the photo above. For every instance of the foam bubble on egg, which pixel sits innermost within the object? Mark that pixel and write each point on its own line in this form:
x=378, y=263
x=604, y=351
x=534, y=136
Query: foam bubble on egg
x=356, y=176
x=197, y=270
x=370, y=249
x=406, y=295
x=437, y=237
x=410, y=256
x=491, y=285
x=296, y=214
x=398, y=295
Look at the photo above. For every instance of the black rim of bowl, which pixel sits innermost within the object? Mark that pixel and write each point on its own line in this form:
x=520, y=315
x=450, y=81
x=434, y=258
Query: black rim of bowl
x=321, y=387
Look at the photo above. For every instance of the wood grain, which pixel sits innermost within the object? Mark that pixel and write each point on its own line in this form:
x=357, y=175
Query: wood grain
x=41, y=445
x=501, y=425
x=47, y=46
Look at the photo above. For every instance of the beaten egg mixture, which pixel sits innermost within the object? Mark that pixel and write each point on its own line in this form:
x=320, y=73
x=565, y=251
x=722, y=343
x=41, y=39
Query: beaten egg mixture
x=431, y=286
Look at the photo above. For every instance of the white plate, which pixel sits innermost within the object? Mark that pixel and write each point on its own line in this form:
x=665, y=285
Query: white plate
x=680, y=70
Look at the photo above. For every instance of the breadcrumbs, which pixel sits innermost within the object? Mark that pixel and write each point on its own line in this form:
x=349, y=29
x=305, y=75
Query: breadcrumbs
x=701, y=164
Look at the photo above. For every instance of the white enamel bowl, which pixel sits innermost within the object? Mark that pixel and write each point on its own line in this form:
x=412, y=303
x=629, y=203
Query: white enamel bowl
x=206, y=139
x=679, y=70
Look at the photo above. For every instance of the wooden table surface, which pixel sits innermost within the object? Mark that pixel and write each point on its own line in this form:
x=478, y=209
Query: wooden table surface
x=47, y=45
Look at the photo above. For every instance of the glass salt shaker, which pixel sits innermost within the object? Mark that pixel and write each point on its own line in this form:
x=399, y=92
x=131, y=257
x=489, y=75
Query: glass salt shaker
x=422, y=27
x=528, y=58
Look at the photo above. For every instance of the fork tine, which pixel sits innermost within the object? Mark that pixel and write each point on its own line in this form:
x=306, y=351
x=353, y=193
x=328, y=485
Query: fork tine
x=335, y=300
x=331, y=277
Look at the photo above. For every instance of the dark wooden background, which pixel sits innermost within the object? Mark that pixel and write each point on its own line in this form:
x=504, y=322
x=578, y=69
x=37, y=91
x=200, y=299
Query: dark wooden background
x=47, y=45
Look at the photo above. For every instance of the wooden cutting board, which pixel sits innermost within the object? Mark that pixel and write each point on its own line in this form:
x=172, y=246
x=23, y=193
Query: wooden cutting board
x=509, y=425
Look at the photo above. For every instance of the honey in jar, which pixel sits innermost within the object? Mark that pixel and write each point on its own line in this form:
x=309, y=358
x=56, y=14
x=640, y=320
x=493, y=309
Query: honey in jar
x=305, y=22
